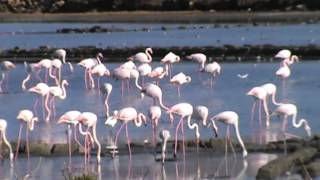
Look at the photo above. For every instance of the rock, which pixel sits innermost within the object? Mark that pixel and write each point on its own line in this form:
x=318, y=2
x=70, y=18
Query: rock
x=280, y=165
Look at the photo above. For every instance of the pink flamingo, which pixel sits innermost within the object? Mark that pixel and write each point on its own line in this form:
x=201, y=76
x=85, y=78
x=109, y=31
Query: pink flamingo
x=184, y=110
x=90, y=119
x=61, y=53
x=58, y=91
x=200, y=58
x=123, y=74
x=155, y=92
x=5, y=67
x=128, y=65
x=287, y=57
x=107, y=89
x=31, y=68
x=126, y=115
x=57, y=64
x=144, y=70
x=291, y=110
x=283, y=73
x=229, y=118
x=71, y=118
x=26, y=116
x=164, y=136
x=43, y=90
x=169, y=59
x=213, y=69
x=260, y=94
x=159, y=73
x=180, y=79
x=142, y=57
x=3, y=129
x=155, y=115
x=45, y=63
x=271, y=90
x=201, y=113
x=99, y=70
x=88, y=64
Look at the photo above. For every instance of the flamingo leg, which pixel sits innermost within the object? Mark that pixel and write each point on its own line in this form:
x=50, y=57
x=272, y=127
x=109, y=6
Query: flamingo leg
x=85, y=78
x=284, y=124
x=128, y=140
x=183, y=138
x=252, y=112
x=19, y=140
x=75, y=136
x=27, y=142
x=35, y=106
x=69, y=141
x=176, y=138
x=230, y=142
x=260, y=114
x=117, y=135
x=122, y=88
x=178, y=90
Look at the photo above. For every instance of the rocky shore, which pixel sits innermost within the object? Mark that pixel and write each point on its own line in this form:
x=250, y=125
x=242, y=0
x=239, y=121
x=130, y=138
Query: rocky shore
x=225, y=53
x=302, y=154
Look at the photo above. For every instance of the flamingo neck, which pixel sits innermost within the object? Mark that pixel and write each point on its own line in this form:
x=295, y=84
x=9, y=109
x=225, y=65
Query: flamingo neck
x=273, y=96
x=4, y=136
x=31, y=124
x=107, y=104
x=97, y=142
x=64, y=92
x=136, y=83
x=194, y=126
x=47, y=107
x=24, y=82
x=138, y=120
x=161, y=103
x=148, y=55
x=244, y=150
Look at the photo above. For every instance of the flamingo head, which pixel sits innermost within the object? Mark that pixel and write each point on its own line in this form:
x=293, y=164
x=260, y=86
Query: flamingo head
x=149, y=50
x=107, y=87
x=111, y=121
x=214, y=127
x=307, y=128
x=143, y=118
x=177, y=58
x=188, y=79
x=99, y=55
x=65, y=82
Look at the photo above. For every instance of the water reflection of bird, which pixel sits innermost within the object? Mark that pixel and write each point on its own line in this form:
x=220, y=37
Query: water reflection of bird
x=26, y=116
x=126, y=115
x=229, y=118
x=3, y=129
x=243, y=76
x=291, y=110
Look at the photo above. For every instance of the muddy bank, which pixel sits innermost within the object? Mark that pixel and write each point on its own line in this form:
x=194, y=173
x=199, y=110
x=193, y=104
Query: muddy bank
x=166, y=17
x=226, y=53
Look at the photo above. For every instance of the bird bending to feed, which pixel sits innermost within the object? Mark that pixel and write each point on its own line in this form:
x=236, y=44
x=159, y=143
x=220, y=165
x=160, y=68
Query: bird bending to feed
x=259, y=94
x=271, y=90
x=184, y=110
x=291, y=110
x=25, y=116
x=107, y=87
x=228, y=118
x=126, y=115
x=164, y=136
x=155, y=92
x=3, y=129
x=200, y=58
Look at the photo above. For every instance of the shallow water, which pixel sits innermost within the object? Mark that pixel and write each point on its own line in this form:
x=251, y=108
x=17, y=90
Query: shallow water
x=32, y=35
x=141, y=166
x=228, y=93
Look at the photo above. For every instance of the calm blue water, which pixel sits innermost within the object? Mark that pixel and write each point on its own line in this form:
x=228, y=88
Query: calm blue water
x=228, y=93
x=32, y=35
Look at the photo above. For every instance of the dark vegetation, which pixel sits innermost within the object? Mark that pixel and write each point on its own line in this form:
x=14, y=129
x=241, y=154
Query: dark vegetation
x=50, y=6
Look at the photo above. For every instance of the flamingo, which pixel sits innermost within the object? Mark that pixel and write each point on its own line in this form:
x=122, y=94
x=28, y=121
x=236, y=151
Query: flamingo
x=57, y=64
x=99, y=70
x=107, y=89
x=88, y=64
x=126, y=115
x=46, y=64
x=184, y=110
x=180, y=79
x=201, y=112
x=154, y=114
x=128, y=65
x=25, y=116
x=283, y=73
x=142, y=57
x=71, y=118
x=144, y=70
x=169, y=59
x=5, y=67
x=200, y=58
x=287, y=57
x=158, y=73
x=259, y=94
x=271, y=90
x=90, y=119
x=43, y=90
x=30, y=68
x=123, y=74
x=58, y=91
x=164, y=136
x=291, y=110
x=3, y=129
x=155, y=92
x=213, y=69
x=62, y=54
x=228, y=118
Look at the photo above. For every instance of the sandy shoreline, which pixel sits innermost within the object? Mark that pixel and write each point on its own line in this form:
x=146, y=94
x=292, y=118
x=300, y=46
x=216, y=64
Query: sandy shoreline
x=167, y=17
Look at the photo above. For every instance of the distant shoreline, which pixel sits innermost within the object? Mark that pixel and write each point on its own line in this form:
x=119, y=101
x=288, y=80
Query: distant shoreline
x=167, y=17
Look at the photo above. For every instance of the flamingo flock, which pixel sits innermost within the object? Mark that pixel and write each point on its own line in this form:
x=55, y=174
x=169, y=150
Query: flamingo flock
x=54, y=84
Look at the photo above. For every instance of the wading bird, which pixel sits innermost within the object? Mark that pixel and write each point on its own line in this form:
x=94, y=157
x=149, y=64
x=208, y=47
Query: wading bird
x=164, y=136
x=142, y=57
x=3, y=129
